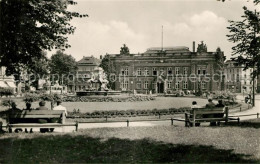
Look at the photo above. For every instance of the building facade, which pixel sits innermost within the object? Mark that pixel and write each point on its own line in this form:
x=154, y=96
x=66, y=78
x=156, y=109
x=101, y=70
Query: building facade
x=87, y=68
x=166, y=71
x=238, y=80
x=7, y=81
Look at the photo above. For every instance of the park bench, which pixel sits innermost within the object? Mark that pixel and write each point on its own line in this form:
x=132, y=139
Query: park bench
x=198, y=115
x=30, y=119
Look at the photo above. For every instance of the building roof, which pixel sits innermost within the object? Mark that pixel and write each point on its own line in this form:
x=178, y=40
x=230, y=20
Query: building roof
x=172, y=49
x=89, y=60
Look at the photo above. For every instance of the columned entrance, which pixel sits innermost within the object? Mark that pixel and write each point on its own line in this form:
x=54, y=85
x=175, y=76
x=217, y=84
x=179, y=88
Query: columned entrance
x=160, y=87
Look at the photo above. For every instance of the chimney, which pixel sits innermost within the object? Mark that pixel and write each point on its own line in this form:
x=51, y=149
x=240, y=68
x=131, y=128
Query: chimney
x=101, y=57
x=193, y=46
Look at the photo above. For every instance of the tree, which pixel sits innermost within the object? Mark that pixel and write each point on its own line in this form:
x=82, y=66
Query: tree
x=39, y=68
x=255, y=1
x=62, y=65
x=27, y=27
x=109, y=69
x=202, y=47
x=124, y=50
x=219, y=62
x=246, y=35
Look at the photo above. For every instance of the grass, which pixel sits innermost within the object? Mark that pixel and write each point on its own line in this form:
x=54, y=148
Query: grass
x=134, y=145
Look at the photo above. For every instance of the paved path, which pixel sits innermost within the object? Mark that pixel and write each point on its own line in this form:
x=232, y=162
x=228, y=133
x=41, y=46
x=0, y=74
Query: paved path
x=254, y=110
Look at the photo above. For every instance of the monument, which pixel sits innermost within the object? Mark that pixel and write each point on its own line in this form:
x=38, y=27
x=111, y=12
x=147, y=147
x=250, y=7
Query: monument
x=97, y=85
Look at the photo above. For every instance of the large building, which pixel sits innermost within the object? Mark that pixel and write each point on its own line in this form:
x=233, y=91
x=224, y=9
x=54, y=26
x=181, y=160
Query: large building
x=7, y=81
x=166, y=70
x=87, y=66
x=238, y=80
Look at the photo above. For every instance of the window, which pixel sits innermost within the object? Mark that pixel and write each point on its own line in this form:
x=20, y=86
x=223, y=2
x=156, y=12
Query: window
x=146, y=85
x=185, y=85
x=177, y=70
x=124, y=85
x=169, y=70
x=154, y=72
x=185, y=70
x=126, y=70
x=204, y=72
x=203, y=85
x=245, y=82
x=146, y=72
x=122, y=72
x=177, y=85
x=139, y=72
x=138, y=85
x=169, y=84
x=198, y=70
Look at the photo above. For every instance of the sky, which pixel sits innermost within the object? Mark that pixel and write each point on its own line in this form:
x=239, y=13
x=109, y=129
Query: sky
x=138, y=24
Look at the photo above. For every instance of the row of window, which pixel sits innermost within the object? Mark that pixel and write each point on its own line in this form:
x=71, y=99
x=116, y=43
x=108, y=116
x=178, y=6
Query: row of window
x=125, y=85
x=145, y=71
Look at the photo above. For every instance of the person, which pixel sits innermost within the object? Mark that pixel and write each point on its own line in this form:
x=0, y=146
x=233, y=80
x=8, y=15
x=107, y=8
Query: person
x=42, y=107
x=220, y=104
x=194, y=105
x=210, y=104
x=28, y=107
x=58, y=107
x=14, y=109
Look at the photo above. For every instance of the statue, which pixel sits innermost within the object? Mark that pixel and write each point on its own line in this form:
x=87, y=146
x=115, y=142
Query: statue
x=103, y=80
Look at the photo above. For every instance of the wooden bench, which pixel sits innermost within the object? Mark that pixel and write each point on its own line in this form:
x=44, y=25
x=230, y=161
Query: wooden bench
x=30, y=119
x=198, y=115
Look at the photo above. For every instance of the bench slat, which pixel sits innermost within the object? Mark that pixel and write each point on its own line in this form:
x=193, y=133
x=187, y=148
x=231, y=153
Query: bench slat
x=45, y=125
x=35, y=116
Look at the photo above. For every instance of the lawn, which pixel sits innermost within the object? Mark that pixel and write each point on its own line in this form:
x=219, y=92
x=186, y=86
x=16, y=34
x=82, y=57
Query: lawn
x=159, y=103
x=135, y=145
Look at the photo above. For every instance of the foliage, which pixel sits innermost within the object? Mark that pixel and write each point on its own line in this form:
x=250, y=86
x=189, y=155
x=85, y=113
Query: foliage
x=6, y=91
x=202, y=47
x=27, y=27
x=130, y=112
x=40, y=69
x=62, y=65
x=31, y=97
x=124, y=50
x=255, y=1
x=7, y=103
x=246, y=35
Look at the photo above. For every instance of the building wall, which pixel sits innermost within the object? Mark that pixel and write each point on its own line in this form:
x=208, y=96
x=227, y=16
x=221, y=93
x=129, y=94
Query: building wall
x=237, y=79
x=132, y=71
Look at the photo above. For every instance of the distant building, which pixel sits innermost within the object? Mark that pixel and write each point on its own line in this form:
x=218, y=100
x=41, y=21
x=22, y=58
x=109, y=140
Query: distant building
x=238, y=80
x=158, y=70
x=7, y=81
x=87, y=67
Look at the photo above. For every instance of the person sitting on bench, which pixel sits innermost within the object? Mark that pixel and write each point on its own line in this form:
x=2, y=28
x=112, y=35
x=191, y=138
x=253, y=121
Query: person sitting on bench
x=42, y=107
x=28, y=107
x=210, y=104
x=58, y=107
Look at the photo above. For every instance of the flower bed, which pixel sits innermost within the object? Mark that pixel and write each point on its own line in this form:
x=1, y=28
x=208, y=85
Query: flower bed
x=107, y=99
x=124, y=113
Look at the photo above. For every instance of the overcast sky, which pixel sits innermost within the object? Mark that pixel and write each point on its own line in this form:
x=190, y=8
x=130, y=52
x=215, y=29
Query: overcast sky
x=138, y=24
